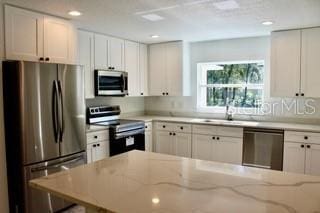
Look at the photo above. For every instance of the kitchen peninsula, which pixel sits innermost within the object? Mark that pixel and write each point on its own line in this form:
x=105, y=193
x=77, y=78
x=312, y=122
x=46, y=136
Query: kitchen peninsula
x=140, y=181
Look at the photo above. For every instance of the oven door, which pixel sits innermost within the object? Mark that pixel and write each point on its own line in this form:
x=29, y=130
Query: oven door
x=111, y=83
x=127, y=141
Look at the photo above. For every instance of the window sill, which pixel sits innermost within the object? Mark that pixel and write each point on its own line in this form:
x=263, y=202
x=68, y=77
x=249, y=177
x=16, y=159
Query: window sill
x=236, y=111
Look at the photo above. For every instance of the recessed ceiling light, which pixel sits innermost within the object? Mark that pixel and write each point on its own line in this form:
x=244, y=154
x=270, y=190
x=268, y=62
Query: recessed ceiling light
x=154, y=36
x=152, y=17
x=226, y=5
x=74, y=13
x=267, y=23
x=155, y=200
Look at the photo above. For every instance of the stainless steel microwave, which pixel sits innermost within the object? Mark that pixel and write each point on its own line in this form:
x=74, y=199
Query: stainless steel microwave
x=110, y=83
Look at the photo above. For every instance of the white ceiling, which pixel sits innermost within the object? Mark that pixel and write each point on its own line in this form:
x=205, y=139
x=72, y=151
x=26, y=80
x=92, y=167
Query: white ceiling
x=192, y=20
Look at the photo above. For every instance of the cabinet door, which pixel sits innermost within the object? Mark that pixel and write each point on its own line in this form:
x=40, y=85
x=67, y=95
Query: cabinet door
x=86, y=58
x=24, y=34
x=174, y=68
x=285, y=63
x=132, y=67
x=101, y=151
x=310, y=62
x=56, y=40
x=164, y=142
x=202, y=147
x=294, y=157
x=116, y=53
x=90, y=153
x=148, y=141
x=101, y=44
x=312, y=159
x=143, y=69
x=229, y=150
x=157, y=72
x=182, y=145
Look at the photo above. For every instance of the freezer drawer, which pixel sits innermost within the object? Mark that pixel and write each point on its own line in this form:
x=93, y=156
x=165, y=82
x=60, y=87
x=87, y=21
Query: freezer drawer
x=263, y=148
x=38, y=201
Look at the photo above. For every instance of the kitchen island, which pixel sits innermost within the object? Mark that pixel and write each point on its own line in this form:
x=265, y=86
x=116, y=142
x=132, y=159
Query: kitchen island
x=149, y=182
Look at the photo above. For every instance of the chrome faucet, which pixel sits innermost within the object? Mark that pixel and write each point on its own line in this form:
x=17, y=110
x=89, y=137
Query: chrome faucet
x=229, y=114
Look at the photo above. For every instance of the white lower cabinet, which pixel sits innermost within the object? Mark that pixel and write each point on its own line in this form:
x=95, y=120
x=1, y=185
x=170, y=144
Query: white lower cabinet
x=301, y=153
x=97, y=151
x=217, y=148
x=171, y=142
x=97, y=145
x=148, y=137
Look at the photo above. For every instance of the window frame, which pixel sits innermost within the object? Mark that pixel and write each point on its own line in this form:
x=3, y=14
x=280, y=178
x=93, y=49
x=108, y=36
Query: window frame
x=201, y=102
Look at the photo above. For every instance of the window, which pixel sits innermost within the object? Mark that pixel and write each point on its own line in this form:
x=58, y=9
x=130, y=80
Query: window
x=238, y=84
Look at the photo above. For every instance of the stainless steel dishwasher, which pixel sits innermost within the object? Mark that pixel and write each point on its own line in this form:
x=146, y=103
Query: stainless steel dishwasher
x=263, y=148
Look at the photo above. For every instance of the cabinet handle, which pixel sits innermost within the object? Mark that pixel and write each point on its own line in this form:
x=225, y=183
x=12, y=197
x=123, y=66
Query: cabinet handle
x=181, y=127
x=297, y=94
x=302, y=146
x=306, y=137
x=142, y=93
x=308, y=146
x=146, y=127
x=94, y=145
x=167, y=93
x=98, y=144
x=213, y=138
x=109, y=68
x=164, y=126
x=47, y=59
x=170, y=133
x=163, y=93
x=174, y=134
x=302, y=94
x=95, y=137
x=218, y=138
x=41, y=59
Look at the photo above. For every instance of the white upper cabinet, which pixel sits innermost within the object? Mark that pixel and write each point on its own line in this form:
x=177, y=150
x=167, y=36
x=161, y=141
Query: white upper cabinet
x=36, y=37
x=310, y=63
x=116, y=53
x=157, y=70
x=101, y=46
x=169, y=73
x=285, y=63
x=143, y=69
x=86, y=58
x=23, y=34
x=136, y=60
x=109, y=52
x=132, y=67
x=294, y=63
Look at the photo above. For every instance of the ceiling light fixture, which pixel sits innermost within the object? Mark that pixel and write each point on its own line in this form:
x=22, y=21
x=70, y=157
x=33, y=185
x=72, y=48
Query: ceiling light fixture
x=154, y=36
x=152, y=17
x=267, y=23
x=74, y=13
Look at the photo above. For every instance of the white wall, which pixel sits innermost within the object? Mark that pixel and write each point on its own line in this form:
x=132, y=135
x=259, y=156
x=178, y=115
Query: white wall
x=3, y=173
x=255, y=48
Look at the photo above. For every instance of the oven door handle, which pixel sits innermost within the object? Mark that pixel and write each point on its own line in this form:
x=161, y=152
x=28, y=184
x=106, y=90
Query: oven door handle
x=129, y=133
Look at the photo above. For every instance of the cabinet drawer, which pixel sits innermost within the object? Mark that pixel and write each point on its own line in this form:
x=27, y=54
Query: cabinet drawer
x=302, y=137
x=165, y=126
x=204, y=129
x=183, y=128
x=148, y=126
x=230, y=131
x=93, y=137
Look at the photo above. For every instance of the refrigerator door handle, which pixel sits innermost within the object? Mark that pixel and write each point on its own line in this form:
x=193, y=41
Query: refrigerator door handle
x=57, y=165
x=61, y=116
x=55, y=110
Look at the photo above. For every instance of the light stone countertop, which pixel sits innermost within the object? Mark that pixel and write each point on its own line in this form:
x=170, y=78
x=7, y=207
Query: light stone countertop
x=143, y=182
x=235, y=123
x=94, y=128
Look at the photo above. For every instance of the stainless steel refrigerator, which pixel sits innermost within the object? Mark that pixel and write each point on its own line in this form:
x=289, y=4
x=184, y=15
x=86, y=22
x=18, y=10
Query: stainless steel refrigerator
x=44, y=109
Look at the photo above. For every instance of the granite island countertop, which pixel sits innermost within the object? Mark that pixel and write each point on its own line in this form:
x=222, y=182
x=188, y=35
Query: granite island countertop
x=149, y=182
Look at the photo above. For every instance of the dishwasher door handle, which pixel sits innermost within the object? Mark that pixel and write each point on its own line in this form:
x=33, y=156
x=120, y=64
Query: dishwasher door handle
x=256, y=165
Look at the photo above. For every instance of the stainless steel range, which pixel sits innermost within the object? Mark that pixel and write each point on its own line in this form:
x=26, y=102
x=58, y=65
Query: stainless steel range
x=125, y=135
